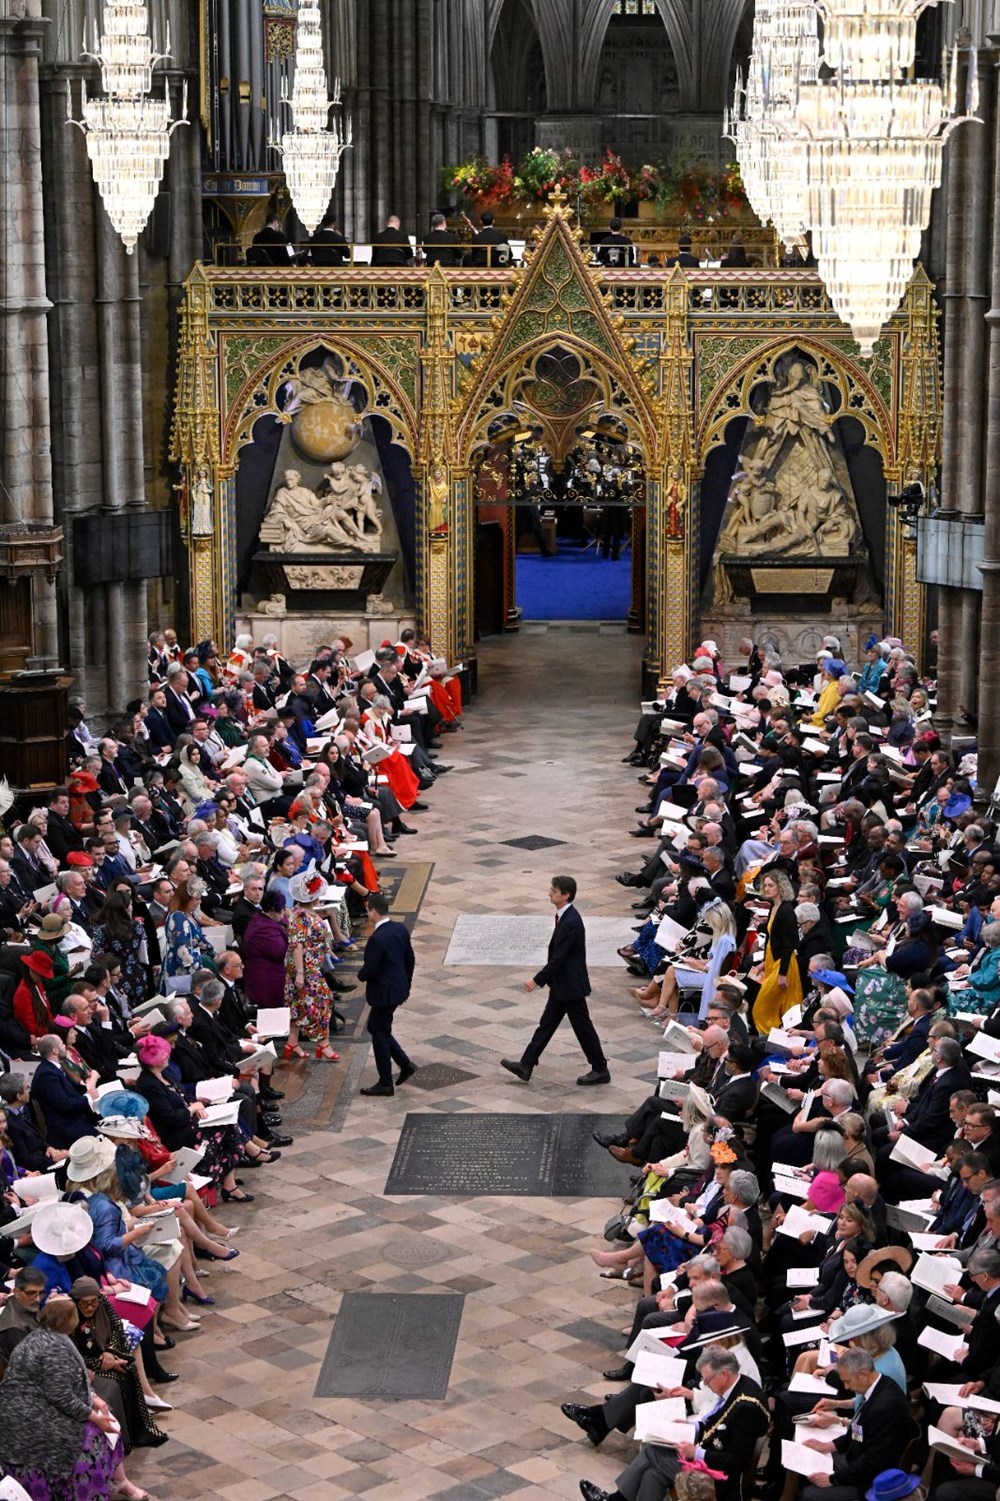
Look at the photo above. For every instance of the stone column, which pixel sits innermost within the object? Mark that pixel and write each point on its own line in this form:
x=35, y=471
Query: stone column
x=26, y=495
x=965, y=300
x=989, y=658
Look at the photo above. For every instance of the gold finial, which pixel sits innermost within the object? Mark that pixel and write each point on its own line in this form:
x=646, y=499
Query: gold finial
x=558, y=203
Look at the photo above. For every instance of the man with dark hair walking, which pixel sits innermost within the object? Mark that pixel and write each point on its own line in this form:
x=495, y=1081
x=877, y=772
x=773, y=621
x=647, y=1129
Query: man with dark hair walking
x=565, y=974
x=387, y=970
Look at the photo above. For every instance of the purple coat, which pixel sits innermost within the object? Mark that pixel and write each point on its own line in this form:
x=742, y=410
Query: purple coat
x=264, y=946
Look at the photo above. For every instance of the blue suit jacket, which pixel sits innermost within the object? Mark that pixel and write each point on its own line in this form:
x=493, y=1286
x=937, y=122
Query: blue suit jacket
x=387, y=969
x=64, y=1104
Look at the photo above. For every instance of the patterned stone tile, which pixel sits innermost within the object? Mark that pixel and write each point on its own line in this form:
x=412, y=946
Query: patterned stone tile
x=538, y=1324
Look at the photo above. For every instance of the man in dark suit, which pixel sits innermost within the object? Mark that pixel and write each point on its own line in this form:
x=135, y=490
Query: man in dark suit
x=329, y=245
x=726, y=1437
x=879, y=1432
x=616, y=250
x=390, y=247
x=440, y=247
x=158, y=728
x=565, y=974
x=178, y=709
x=684, y=256
x=490, y=247
x=61, y=836
x=387, y=970
x=270, y=245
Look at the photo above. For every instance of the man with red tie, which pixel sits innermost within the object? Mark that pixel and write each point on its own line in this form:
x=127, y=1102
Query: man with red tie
x=565, y=974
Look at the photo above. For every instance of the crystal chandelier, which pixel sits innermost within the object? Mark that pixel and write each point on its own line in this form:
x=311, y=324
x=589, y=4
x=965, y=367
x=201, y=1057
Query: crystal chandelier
x=871, y=147
x=310, y=152
x=128, y=131
x=785, y=55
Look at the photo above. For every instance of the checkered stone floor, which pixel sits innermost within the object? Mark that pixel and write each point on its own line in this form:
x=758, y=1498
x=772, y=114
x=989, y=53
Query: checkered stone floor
x=538, y=1325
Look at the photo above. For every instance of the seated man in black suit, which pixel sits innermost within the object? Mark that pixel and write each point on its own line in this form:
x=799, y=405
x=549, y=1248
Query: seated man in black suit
x=270, y=246
x=616, y=250
x=441, y=247
x=725, y=1439
x=490, y=248
x=879, y=1432
x=329, y=245
x=390, y=247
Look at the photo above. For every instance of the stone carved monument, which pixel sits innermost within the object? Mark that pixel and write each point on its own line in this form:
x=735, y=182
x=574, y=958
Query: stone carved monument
x=340, y=516
x=328, y=540
x=791, y=530
x=791, y=497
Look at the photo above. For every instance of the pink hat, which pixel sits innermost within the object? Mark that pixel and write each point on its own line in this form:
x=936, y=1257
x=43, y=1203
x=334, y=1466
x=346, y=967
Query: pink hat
x=152, y=1051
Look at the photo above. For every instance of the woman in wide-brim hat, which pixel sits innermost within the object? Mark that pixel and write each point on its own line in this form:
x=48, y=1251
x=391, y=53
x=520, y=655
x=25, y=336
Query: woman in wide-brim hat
x=307, y=993
x=31, y=1003
x=47, y=940
x=883, y=1260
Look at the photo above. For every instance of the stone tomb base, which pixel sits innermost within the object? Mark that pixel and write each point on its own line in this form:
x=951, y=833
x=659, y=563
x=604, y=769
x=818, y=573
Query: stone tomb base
x=798, y=637
x=299, y=634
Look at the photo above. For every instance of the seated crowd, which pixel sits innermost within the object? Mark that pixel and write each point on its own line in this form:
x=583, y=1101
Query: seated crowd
x=813, y=1222
x=170, y=916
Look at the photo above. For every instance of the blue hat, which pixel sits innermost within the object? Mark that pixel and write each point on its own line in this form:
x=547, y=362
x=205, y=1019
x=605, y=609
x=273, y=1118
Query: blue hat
x=123, y=1102
x=206, y=810
x=833, y=977
x=871, y=643
x=894, y=1485
x=834, y=666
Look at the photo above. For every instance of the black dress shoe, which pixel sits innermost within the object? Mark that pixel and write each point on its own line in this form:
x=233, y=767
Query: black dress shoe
x=377, y=1089
x=164, y=1378
x=440, y=771
x=590, y=1419
x=342, y=987
x=591, y=1492
x=404, y=829
x=279, y=1141
x=517, y=1069
x=406, y=1072
x=621, y=1373
x=605, y=1139
x=434, y=745
x=627, y=878
x=644, y=833
x=418, y=807
x=271, y=1117
x=267, y=1093
x=596, y=1076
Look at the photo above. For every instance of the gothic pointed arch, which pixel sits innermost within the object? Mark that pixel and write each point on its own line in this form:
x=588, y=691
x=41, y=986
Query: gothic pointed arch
x=558, y=304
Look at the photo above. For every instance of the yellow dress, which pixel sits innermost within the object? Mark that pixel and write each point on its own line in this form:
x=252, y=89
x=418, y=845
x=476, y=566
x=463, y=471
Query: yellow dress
x=773, y=1001
x=827, y=702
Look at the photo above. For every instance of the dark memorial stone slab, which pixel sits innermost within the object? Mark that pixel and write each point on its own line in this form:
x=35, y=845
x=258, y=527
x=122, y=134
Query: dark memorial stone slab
x=533, y=842
x=392, y=1345
x=440, y=1076
x=540, y=1156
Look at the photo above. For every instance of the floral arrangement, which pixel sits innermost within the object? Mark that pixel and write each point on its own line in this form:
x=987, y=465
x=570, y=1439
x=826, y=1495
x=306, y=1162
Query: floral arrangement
x=647, y=183
x=692, y=189
x=492, y=185
x=611, y=182
x=543, y=170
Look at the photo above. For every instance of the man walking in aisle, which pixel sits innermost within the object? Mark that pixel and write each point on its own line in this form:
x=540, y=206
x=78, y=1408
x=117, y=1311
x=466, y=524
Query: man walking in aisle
x=565, y=974
x=387, y=971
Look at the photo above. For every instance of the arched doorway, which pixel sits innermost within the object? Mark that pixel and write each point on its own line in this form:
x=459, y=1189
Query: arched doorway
x=558, y=479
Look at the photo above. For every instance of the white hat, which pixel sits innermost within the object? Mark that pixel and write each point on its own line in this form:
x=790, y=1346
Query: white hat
x=121, y=1126
x=859, y=1319
x=62, y=1229
x=308, y=886
x=88, y=1157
